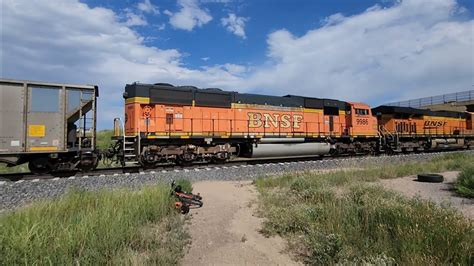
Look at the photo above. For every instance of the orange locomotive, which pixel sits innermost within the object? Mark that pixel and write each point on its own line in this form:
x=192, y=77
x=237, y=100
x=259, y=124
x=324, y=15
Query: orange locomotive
x=410, y=129
x=186, y=124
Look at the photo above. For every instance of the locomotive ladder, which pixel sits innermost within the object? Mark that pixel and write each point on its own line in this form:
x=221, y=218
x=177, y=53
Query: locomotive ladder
x=130, y=144
x=130, y=149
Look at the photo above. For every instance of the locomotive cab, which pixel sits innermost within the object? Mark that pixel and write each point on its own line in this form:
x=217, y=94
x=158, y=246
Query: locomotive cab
x=360, y=121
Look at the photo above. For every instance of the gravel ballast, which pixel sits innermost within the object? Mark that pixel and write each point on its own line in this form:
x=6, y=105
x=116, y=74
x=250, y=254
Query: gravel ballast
x=15, y=194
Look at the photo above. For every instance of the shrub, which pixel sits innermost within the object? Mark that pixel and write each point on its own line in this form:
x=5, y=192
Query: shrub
x=465, y=183
x=90, y=228
x=339, y=217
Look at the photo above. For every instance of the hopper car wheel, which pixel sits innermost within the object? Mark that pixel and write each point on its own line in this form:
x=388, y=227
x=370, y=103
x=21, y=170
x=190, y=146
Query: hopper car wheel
x=39, y=166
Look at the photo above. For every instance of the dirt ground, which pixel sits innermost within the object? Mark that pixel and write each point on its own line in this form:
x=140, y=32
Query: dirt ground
x=441, y=193
x=226, y=232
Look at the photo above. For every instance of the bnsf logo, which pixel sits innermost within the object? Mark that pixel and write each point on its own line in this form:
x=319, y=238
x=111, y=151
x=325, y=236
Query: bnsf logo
x=429, y=123
x=274, y=120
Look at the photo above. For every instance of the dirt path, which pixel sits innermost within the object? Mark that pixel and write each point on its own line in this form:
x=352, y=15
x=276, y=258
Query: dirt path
x=225, y=230
x=441, y=193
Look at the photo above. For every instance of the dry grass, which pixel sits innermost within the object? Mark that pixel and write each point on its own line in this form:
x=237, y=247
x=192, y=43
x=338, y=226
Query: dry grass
x=105, y=227
x=339, y=217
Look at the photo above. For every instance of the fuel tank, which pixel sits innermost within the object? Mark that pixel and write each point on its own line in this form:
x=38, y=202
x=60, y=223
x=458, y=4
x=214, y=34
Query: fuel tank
x=262, y=150
x=447, y=143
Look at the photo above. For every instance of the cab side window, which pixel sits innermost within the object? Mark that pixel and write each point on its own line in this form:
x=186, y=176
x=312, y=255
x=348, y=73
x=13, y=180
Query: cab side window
x=361, y=111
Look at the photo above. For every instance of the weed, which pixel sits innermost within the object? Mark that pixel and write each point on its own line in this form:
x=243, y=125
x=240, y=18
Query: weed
x=338, y=217
x=465, y=183
x=95, y=228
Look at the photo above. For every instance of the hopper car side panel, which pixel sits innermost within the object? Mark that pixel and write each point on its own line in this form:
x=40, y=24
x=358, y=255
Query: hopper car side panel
x=50, y=126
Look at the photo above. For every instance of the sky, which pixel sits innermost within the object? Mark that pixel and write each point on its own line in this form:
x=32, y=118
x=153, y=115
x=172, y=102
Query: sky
x=355, y=50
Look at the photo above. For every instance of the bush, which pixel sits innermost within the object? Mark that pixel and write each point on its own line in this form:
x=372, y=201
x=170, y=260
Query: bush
x=93, y=228
x=465, y=183
x=339, y=217
x=104, y=139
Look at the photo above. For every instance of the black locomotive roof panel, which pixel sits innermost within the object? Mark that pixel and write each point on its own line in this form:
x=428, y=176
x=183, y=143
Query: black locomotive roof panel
x=165, y=93
x=213, y=98
x=334, y=103
x=385, y=109
x=247, y=98
x=308, y=102
x=179, y=95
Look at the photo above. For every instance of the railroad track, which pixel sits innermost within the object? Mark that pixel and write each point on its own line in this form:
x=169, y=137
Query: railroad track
x=15, y=177
x=14, y=194
x=6, y=177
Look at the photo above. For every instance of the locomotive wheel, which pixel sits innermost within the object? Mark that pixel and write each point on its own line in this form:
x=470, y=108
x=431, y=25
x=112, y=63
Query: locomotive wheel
x=186, y=159
x=218, y=160
x=39, y=166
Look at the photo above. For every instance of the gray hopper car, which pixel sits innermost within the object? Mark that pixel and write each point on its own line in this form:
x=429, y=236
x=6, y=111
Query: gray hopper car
x=50, y=126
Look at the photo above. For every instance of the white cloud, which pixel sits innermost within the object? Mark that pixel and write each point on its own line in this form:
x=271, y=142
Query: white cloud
x=205, y=58
x=147, y=7
x=98, y=50
x=233, y=69
x=190, y=15
x=235, y=24
x=415, y=48
x=133, y=19
x=161, y=26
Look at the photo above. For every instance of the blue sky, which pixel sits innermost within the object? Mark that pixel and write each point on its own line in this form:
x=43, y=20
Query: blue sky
x=263, y=17
x=369, y=51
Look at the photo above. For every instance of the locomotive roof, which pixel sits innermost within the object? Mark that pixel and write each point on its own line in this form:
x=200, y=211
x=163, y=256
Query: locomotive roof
x=214, y=97
x=385, y=109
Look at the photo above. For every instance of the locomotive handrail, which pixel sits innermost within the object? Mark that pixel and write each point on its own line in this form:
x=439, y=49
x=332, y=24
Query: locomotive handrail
x=217, y=126
x=212, y=127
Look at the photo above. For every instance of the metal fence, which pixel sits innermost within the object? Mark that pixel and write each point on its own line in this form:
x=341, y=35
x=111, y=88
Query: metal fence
x=434, y=100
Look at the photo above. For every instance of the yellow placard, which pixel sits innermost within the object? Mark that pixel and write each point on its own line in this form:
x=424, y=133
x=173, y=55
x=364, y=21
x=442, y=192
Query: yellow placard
x=36, y=130
x=45, y=148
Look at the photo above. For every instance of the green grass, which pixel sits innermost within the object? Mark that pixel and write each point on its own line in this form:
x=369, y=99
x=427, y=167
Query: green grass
x=465, y=183
x=346, y=217
x=106, y=227
x=104, y=139
x=23, y=168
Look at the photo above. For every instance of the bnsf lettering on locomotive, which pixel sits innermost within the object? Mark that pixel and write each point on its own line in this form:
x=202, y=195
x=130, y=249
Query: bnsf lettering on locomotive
x=430, y=123
x=274, y=120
